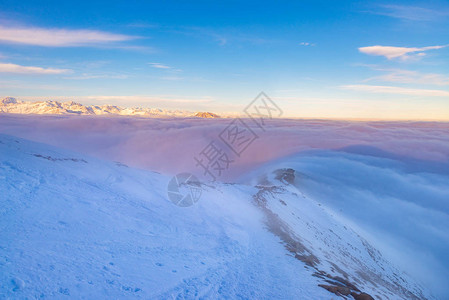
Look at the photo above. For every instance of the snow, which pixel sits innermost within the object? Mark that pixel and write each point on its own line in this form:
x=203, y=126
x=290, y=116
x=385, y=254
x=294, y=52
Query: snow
x=98, y=230
x=51, y=107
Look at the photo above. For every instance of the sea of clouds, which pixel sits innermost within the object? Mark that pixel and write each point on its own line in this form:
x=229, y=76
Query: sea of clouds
x=389, y=179
x=170, y=145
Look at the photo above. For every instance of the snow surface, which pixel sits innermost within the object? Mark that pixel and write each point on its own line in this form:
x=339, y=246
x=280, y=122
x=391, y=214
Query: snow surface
x=77, y=226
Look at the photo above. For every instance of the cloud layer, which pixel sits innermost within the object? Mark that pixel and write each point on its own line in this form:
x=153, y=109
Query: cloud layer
x=407, y=76
x=395, y=90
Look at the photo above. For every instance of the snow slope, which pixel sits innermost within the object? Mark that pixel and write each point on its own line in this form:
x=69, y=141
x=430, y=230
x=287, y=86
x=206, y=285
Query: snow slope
x=75, y=226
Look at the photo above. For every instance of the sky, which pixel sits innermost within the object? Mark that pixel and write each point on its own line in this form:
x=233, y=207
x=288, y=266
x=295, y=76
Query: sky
x=315, y=59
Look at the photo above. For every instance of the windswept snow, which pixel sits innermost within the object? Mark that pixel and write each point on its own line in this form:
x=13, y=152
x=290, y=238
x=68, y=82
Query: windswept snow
x=75, y=226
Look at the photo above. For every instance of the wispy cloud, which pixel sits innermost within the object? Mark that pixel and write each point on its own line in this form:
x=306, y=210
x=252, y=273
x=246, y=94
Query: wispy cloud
x=172, y=78
x=306, y=44
x=395, y=90
x=222, y=37
x=412, y=13
x=402, y=53
x=86, y=76
x=7, y=86
x=149, y=99
x=13, y=68
x=58, y=37
x=159, y=65
x=172, y=72
x=407, y=76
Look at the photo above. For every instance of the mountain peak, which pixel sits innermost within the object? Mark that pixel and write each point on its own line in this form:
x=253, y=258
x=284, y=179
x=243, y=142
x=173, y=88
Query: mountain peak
x=9, y=100
x=207, y=115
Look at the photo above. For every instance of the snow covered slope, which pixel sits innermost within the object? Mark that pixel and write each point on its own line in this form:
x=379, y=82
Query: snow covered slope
x=75, y=226
x=12, y=105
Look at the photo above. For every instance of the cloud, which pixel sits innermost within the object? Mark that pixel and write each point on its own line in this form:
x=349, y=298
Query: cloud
x=406, y=76
x=159, y=65
x=169, y=70
x=172, y=78
x=222, y=37
x=13, y=68
x=379, y=187
x=397, y=52
x=149, y=99
x=395, y=90
x=412, y=13
x=306, y=44
x=86, y=76
x=58, y=37
x=20, y=85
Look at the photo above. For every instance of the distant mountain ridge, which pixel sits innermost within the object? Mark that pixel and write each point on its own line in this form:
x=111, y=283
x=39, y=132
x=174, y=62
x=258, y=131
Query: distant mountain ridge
x=14, y=106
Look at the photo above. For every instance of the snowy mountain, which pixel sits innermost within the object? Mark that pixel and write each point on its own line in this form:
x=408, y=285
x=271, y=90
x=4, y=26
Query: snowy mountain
x=207, y=115
x=75, y=226
x=12, y=105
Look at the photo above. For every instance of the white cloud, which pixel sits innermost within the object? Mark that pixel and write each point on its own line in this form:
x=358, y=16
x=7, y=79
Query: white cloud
x=402, y=53
x=159, y=65
x=149, y=99
x=13, y=68
x=86, y=76
x=58, y=37
x=306, y=44
x=8, y=85
x=395, y=90
x=406, y=76
x=172, y=78
x=412, y=13
x=167, y=69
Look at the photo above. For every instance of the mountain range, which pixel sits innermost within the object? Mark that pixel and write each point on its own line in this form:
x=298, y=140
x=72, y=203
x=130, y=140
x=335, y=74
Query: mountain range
x=51, y=107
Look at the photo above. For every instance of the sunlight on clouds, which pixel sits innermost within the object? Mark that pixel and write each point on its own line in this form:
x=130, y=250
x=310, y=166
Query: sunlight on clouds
x=13, y=68
x=396, y=90
x=402, y=53
x=58, y=37
x=143, y=99
x=407, y=76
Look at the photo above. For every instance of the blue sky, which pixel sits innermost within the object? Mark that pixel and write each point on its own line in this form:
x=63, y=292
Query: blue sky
x=326, y=59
